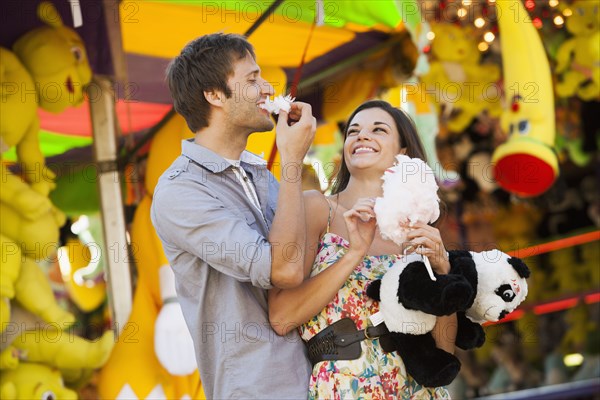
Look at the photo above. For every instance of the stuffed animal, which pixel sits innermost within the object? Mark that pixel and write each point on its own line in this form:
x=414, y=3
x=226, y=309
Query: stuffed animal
x=480, y=287
x=33, y=381
x=500, y=285
x=48, y=68
x=411, y=97
x=65, y=350
x=464, y=86
x=136, y=368
x=578, y=58
x=82, y=263
x=526, y=163
x=409, y=302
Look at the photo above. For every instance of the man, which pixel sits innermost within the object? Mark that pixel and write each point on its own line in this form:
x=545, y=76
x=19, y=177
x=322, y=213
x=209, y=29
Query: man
x=214, y=210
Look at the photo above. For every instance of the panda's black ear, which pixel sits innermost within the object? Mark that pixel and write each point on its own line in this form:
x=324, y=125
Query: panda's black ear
x=519, y=266
x=454, y=254
x=374, y=289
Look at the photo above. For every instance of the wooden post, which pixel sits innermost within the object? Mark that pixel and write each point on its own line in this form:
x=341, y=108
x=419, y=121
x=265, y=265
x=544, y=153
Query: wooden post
x=104, y=125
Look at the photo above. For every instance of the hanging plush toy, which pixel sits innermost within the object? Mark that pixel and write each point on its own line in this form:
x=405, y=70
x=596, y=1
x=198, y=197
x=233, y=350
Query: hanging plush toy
x=480, y=287
x=461, y=84
x=48, y=69
x=34, y=381
x=30, y=339
x=411, y=97
x=526, y=164
x=157, y=361
x=578, y=58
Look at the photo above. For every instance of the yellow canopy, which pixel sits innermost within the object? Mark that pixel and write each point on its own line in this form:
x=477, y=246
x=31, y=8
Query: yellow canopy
x=163, y=29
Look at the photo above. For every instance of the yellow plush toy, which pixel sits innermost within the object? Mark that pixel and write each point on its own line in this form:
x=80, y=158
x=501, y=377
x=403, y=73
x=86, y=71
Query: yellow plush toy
x=134, y=370
x=82, y=264
x=28, y=339
x=460, y=83
x=58, y=349
x=578, y=58
x=23, y=243
x=33, y=381
x=48, y=69
x=50, y=62
x=526, y=164
x=411, y=98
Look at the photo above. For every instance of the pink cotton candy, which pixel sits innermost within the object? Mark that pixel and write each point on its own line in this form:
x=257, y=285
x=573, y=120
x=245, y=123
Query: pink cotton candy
x=409, y=196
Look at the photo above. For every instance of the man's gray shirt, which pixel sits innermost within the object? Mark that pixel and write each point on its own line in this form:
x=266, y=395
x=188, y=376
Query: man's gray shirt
x=216, y=243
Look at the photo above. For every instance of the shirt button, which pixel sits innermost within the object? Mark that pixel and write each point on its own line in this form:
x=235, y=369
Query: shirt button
x=174, y=173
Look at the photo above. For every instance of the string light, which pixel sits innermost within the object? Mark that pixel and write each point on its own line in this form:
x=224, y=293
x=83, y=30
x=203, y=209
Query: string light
x=537, y=22
x=483, y=46
x=491, y=1
x=461, y=13
x=430, y=35
x=479, y=22
x=567, y=12
x=466, y=2
x=489, y=37
x=559, y=20
x=573, y=360
x=529, y=4
x=553, y=3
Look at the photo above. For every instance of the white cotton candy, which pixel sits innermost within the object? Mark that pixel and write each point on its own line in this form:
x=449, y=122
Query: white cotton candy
x=278, y=103
x=409, y=196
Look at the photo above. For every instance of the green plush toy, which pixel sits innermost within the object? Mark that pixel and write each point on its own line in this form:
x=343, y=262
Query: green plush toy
x=578, y=58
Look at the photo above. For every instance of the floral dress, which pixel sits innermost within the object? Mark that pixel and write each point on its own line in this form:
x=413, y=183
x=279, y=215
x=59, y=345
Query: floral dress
x=376, y=374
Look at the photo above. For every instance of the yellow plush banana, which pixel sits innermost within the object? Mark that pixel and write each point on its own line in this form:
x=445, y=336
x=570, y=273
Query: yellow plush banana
x=526, y=164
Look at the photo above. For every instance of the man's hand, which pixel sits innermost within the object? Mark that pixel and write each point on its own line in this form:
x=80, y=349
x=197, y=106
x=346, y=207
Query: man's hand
x=295, y=132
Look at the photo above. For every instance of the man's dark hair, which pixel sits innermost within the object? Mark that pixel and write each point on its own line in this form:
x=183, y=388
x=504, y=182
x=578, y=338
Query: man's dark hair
x=204, y=64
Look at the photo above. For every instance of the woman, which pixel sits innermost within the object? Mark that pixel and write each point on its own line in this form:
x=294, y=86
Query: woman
x=348, y=253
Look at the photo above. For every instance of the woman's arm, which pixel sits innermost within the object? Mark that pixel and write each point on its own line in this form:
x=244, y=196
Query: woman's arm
x=288, y=308
x=444, y=332
x=429, y=243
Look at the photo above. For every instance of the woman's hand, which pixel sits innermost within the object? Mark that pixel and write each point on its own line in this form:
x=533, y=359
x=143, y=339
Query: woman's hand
x=426, y=240
x=360, y=222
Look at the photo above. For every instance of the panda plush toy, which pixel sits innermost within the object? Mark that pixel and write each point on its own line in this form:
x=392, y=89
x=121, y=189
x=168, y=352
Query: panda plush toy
x=481, y=287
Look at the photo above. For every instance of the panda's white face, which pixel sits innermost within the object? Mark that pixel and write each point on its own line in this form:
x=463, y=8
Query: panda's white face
x=500, y=288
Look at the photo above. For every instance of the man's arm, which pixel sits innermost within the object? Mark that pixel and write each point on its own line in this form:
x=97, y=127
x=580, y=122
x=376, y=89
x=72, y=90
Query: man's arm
x=188, y=217
x=288, y=231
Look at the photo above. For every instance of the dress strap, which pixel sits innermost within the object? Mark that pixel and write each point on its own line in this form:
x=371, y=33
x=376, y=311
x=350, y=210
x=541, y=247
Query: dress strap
x=329, y=217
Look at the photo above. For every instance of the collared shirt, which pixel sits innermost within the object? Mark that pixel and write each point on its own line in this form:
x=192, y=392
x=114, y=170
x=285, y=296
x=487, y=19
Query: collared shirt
x=246, y=183
x=216, y=242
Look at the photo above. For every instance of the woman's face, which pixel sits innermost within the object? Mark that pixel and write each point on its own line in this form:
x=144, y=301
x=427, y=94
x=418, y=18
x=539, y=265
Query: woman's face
x=372, y=141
